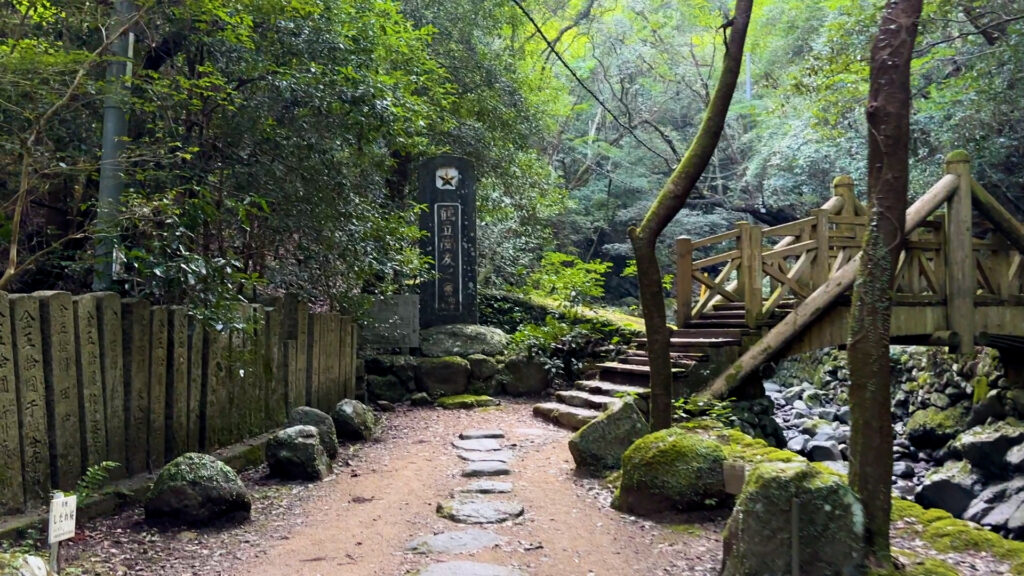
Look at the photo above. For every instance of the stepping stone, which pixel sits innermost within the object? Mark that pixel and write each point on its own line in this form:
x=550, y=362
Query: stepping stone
x=488, y=487
x=486, y=468
x=479, y=511
x=468, y=569
x=478, y=434
x=454, y=542
x=480, y=445
x=494, y=456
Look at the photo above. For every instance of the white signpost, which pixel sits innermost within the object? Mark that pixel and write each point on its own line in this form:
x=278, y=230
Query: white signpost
x=63, y=509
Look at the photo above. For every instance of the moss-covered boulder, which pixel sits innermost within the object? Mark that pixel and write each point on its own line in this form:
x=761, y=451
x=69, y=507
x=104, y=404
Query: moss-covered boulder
x=400, y=366
x=672, y=468
x=482, y=367
x=462, y=340
x=466, y=402
x=306, y=416
x=442, y=376
x=387, y=388
x=197, y=490
x=932, y=427
x=598, y=447
x=295, y=453
x=985, y=447
x=950, y=487
x=758, y=536
x=523, y=376
x=354, y=420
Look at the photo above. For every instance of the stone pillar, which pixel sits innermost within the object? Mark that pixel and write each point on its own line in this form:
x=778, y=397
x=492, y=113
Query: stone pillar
x=90, y=380
x=60, y=370
x=31, y=390
x=195, y=382
x=12, y=491
x=108, y=309
x=447, y=185
x=135, y=343
x=177, y=384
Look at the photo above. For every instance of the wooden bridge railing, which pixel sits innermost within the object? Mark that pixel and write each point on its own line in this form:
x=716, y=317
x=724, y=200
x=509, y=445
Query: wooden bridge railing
x=942, y=264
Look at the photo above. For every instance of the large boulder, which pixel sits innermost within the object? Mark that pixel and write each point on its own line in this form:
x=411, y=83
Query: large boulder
x=951, y=487
x=387, y=388
x=598, y=447
x=997, y=506
x=296, y=454
x=932, y=427
x=523, y=376
x=197, y=490
x=758, y=537
x=668, y=469
x=985, y=447
x=400, y=366
x=445, y=376
x=462, y=340
x=306, y=416
x=354, y=420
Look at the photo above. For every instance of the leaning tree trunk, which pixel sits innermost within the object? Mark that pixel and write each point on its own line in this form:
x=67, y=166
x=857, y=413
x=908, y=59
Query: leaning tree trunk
x=888, y=115
x=669, y=202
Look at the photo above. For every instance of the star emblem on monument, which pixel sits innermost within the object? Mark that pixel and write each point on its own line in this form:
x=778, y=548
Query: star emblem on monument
x=447, y=178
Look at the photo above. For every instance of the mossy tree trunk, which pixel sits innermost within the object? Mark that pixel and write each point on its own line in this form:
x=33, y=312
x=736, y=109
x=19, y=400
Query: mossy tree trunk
x=669, y=202
x=888, y=115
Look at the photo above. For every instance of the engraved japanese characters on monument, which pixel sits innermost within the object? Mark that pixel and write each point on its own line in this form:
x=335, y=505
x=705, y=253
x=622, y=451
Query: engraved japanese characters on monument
x=448, y=188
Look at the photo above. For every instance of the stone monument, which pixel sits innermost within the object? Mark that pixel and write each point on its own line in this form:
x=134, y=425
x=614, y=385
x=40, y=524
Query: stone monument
x=448, y=189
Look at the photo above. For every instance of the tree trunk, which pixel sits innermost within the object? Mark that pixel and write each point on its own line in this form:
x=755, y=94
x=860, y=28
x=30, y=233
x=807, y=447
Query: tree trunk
x=888, y=115
x=669, y=202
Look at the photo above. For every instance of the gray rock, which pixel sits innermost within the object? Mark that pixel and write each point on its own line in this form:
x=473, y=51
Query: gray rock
x=902, y=470
x=400, y=366
x=986, y=447
x=772, y=388
x=843, y=415
x=837, y=465
x=304, y=415
x=757, y=538
x=491, y=456
x=1015, y=459
x=462, y=568
x=522, y=376
x=813, y=399
x=938, y=400
x=798, y=444
x=486, y=468
x=992, y=498
x=818, y=451
x=598, y=446
x=420, y=399
x=295, y=453
x=354, y=420
x=477, y=434
x=462, y=340
x=445, y=376
x=472, y=511
x=385, y=406
x=388, y=388
x=469, y=540
x=791, y=395
x=932, y=428
x=197, y=490
x=952, y=487
x=905, y=490
x=481, y=444
x=482, y=367
x=488, y=487
x=991, y=407
x=800, y=406
x=27, y=565
x=828, y=414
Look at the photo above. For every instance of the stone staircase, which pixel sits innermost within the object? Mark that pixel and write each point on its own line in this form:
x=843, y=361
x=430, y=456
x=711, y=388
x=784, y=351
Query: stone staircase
x=699, y=352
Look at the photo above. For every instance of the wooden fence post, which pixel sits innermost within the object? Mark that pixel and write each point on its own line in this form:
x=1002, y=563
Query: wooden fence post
x=961, y=275
x=842, y=186
x=684, y=280
x=819, y=273
x=751, y=271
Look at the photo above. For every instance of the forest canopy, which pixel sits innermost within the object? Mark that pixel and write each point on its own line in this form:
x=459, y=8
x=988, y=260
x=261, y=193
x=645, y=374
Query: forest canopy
x=271, y=146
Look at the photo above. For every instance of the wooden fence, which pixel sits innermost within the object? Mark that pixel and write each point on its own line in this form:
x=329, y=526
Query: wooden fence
x=90, y=378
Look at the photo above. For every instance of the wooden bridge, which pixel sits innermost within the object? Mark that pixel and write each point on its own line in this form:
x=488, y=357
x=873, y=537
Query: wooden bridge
x=753, y=295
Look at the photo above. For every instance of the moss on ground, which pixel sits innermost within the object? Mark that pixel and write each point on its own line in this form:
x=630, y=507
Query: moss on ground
x=465, y=401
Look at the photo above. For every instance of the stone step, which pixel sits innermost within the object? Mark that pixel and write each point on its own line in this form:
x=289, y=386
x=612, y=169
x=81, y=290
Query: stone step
x=633, y=375
x=583, y=399
x=570, y=417
x=638, y=369
x=691, y=356
x=677, y=362
x=599, y=387
x=730, y=333
x=695, y=344
x=784, y=306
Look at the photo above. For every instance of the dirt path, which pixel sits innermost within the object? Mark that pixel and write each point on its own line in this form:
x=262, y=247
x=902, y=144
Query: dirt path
x=384, y=495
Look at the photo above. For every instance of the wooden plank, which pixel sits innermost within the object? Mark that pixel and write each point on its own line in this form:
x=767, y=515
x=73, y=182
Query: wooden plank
x=717, y=259
x=792, y=250
x=751, y=271
x=819, y=273
x=347, y=371
x=717, y=238
x=26, y=340
x=90, y=380
x=313, y=340
x=296, y=387
x=794, y=228
x=196, y=339
x=684, y=280
x=277, y=377
x=302, y=356
x=960, y=287
x=60, y=370
x=177, y=383
x=12, y=482
x=108, y=307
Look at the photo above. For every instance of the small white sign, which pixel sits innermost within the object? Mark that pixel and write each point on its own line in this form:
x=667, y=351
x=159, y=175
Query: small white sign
x=62, y=518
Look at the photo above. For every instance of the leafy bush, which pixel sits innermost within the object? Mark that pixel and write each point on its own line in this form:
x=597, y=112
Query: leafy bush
x=694, y=407
x=568, y=279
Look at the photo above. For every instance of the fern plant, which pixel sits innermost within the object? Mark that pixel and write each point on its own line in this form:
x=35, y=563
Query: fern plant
x=94, y=479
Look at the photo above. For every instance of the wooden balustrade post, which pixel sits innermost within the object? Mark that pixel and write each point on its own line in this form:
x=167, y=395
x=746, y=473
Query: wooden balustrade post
x=842, y=186
x=684, y=280
x=961, y=277
x=751, y=271
x=819, y=273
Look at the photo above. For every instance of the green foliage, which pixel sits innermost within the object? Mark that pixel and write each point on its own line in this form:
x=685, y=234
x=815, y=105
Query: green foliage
x=568, y=279
x=94, y=479
x=701, y=408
